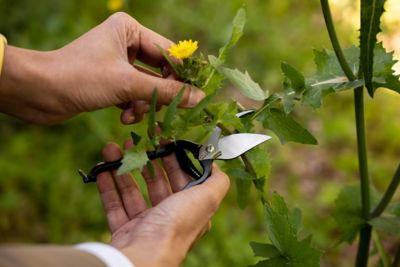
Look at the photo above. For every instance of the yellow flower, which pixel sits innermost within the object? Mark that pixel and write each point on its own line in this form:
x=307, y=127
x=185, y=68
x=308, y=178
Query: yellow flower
x=115, y=5
x=183, y=49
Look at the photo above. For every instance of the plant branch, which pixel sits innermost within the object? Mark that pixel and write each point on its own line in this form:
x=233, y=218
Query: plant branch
x=388, y=194
x=335, y=42
x=365, y=233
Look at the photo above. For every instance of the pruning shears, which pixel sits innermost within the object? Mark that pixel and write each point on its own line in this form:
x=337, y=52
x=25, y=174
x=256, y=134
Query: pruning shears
x=217, y=147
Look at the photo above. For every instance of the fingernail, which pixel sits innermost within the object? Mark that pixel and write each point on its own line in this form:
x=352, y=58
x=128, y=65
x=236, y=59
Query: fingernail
x=195, y=97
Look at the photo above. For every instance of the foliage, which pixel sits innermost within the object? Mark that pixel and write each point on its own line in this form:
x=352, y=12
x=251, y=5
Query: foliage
x=309, y=177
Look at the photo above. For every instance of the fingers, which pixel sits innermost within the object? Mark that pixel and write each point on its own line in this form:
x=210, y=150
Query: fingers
x=129, y=190
x=112, y=203
x=177, y=177
x=157, y=186
x=142, y=86
x=134, y=111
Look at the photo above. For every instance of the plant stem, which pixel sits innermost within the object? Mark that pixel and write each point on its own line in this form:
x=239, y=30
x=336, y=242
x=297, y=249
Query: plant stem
x=335, y=42
x=365, y=233
x=381, y=250
x=388, y=194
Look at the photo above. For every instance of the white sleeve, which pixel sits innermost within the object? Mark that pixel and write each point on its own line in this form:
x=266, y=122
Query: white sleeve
x=111, y=256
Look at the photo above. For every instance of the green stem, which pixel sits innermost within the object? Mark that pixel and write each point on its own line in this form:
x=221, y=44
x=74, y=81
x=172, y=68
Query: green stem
x=381, y=250
x=335, y=42
x=388, y=194
x=365, y=233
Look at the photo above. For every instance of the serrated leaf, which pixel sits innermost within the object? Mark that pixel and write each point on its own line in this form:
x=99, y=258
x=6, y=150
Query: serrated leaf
x=244, y=83
x=383, y=70
x=264, y=250
x=134, y=158
x=293, y=86
x=260, y=161
x=170, y=114
x=285, y=127
x=347, y=214
x=390, y=225
x=328, y=69
x=371, y=12
x=283, y=235
x=237, y=31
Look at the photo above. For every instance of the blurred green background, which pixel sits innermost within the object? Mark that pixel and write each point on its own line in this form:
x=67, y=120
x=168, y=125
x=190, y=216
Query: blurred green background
x=42, y=199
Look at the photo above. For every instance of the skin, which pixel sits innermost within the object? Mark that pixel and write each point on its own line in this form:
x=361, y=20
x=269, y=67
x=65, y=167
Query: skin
x=160, y=235
x=96, y=71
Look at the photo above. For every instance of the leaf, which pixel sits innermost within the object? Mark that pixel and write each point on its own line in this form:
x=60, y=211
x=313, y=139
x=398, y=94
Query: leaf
x=293, y=86
x=328, y=69
x=371, y=12
x=264, y=250
x=348, y=214
x=383, y=70
x=225, y=113
x=198, y=108
x=170, y=114
x=135, y=158
x=260, y=161
x=237, y=31
x=283, y=235
x=285, y=127
x=243, y=192
x=244, y=83
x=135, y=137
x=274, y=262
x=390, y=225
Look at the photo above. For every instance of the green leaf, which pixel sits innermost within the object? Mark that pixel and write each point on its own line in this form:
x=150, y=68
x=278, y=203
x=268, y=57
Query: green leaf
x=243, y=192
x=237, y=31
x=192, y=113
x=390, y=225
x=134, y=158
x=371, y=12
x=170, y=114
x=264, y=250
x=285, y=127
x=347, y=214
x=260, y=161
x=329, y=76
x=225, y=113
x=383, y=70
x=283, y=235
x=293, y=86
x=135, y=137
x=274, y=262
x=151, y=122
x=244, y=83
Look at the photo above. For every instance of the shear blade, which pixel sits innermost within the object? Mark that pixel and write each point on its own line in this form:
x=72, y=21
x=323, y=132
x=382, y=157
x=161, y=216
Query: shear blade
x=234, y=145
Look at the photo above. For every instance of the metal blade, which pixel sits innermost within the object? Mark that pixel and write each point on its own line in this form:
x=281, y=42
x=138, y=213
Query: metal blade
x=234, y=145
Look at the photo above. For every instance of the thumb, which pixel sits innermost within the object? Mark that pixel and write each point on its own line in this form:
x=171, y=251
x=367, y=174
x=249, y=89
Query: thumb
x=142, y=86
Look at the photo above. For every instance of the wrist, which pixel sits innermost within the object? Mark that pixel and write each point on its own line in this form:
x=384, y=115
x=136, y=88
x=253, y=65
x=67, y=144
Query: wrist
x=25, y=81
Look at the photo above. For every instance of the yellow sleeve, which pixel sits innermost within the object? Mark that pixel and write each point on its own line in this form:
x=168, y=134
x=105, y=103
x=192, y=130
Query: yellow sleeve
x=3, y=43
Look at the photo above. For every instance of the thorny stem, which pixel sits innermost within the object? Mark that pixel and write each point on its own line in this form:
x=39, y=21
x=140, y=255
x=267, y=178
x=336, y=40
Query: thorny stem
x=388, y=194
x=365, y=233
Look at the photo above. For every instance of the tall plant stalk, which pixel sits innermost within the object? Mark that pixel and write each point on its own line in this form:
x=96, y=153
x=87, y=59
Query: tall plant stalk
x=365, y=232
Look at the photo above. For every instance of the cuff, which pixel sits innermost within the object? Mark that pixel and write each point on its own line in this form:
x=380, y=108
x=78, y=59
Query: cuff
x=111, y=256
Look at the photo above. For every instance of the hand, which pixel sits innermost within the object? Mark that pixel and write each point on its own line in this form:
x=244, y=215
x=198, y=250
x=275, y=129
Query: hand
x=92, y=72
x=163, y=234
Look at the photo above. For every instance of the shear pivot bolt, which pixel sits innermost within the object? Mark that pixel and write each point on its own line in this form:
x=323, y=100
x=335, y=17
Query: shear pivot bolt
x=210, y=148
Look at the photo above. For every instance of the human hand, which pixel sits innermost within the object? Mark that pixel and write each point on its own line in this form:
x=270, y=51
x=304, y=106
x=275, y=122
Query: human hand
x=92, y=72
x=162, y=234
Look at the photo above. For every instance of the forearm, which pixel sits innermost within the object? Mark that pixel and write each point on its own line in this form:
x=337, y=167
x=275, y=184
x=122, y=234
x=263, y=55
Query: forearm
x=24, y=73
